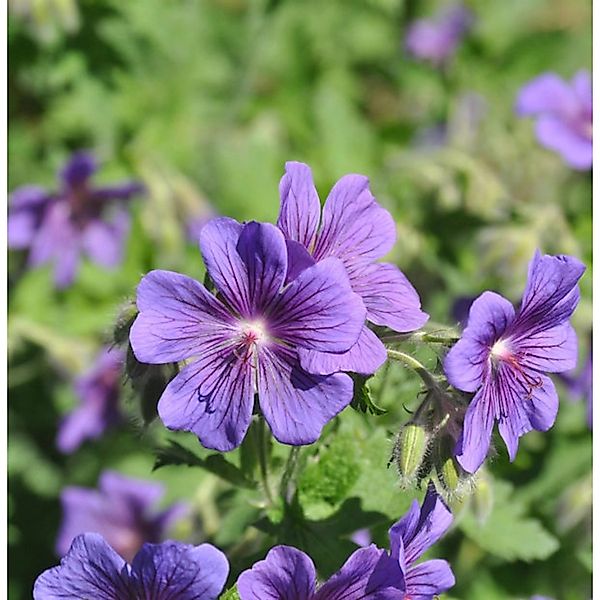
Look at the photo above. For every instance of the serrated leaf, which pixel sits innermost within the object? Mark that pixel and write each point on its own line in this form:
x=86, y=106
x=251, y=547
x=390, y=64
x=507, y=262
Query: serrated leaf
x=508, y=533
x=176, y=454
x=363, y=400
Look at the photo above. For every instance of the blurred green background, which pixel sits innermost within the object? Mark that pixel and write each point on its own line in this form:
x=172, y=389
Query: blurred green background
x=204, y=101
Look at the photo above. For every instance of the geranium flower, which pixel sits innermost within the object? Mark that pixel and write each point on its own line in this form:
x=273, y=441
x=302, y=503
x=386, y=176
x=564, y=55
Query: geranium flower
x=358, y=231
x=503, y=356
x=564, y=115
x=122, y=510
x=92, y=569
x=59, y=227
x=246, y=340
x=370, y=573
x=98, y=392
x=435, y=40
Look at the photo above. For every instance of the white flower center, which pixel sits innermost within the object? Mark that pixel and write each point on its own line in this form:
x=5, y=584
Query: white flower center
x=500, y=351
x=254, y=332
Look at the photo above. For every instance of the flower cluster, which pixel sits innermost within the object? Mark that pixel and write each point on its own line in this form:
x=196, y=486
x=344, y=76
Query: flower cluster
x=79, y=218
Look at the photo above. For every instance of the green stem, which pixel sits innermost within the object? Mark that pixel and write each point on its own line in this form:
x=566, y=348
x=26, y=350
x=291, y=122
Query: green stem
x=290, y=468
x=422, y=336
x=415, y=365
x=262, y=458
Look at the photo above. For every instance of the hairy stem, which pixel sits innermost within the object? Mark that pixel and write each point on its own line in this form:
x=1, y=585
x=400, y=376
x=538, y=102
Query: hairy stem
x=285, y=488
x=415, y=365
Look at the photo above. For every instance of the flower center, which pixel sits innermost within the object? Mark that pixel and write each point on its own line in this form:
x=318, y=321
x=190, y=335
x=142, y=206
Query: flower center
x=254, y=333
x=500, y=351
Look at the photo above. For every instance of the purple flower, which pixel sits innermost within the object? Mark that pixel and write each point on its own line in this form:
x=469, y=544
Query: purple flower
x=564, y=115
x=435, y=40
x=121, y=510
x=579, y=384
x=503, y=356
x=369, y=573
x=356, y=230
x=92, y=569
x=98, y=392
x=246, y=340
x=59, y=227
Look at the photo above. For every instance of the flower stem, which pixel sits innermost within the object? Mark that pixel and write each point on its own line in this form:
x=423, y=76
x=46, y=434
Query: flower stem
x=415, y=365
x=263, y=440
x=290, y=467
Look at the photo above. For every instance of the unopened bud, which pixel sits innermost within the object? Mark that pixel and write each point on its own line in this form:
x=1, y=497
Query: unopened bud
x=125, y=320
x=410, y=450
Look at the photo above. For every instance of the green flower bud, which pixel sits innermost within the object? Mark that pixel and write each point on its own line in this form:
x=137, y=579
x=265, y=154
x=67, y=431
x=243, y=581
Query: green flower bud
x=410, y=450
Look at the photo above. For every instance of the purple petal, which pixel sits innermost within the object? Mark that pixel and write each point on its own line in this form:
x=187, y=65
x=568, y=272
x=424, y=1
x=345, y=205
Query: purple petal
x=296, y=404
x=474, y=443
x=138, y=494
x=428, y=579
x=178, y=318
x=549, y=351
x=355, y=226
x=218, y=244
x=419, y=532
x=285, y=574
x=299, y=260
x=181, y=571
x=104, y=242
x=91, y=569
x=546, y=93
x=467, y=362
x=318, y=310
x=85, y=422
x=352, y=581
x=213, y=397
x=121, y=191
x=563, y=137
x=66, y=264
x=26, y=207
x=551, y=294
x=300, y=206
x=81, y=166
x=365, y=357
x=389, y=297
x=28, y=196
x=262, y=249
x=582, y=85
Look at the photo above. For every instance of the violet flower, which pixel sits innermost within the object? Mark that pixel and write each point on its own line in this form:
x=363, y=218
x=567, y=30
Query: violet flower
x=369, y=573
x=356, y=230
x=98, y=392
x=60, y=227
x=435, y=40
x=246, y=340
x=503, y=356
x=564, y=115
x=92, y=569
x=122, y=510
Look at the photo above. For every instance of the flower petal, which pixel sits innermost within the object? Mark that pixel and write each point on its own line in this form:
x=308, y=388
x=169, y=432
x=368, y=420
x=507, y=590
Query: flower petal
x=355, y=226
x=26, y=207
x=285, y=574
x=296, y=404
x=352, y=581
x=104, y=242
x=389, y=297
x=120, y=191
x=467, y=362
x=474, y=443
x=365, y=357
x=299, y=260
x=182, y=571
x=91, y=569
x=213, y=397
x=318, y=310
x=546, y=93
x=582, y=85
x=551, y=351
x=80, y=167
x=428, y=579
x=300, y=206
x=556, y=134
x=178, y=318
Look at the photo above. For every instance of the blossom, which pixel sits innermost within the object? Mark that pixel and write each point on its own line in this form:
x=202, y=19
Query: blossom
x=503, y=356
x=246, y=340
x=564, y=115
x=98, y=392
x=121, y=510
x=92, y=569
x=435, y=40
x=59, y=227
x=369, y=573
x=356, y=230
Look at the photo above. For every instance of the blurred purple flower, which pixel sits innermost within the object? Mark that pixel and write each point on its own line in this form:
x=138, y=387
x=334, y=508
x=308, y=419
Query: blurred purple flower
x=503, y=356
x=356, y=230
x=59, y=227
x=579, y=384
x=435, y=40
x=93, y=570
x=564, y=115
x=246, y=340
x=98, y=392
x=121, y=509
x=369, y=573
x=361, y=537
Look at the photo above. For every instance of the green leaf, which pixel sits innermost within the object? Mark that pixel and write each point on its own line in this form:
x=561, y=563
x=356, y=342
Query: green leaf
x=176, y=454
x=508, y=533
x=230, y=594
x=363, y=400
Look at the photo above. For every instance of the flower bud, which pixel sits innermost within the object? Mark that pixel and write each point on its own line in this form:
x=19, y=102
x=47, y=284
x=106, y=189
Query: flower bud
x=410, y=450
